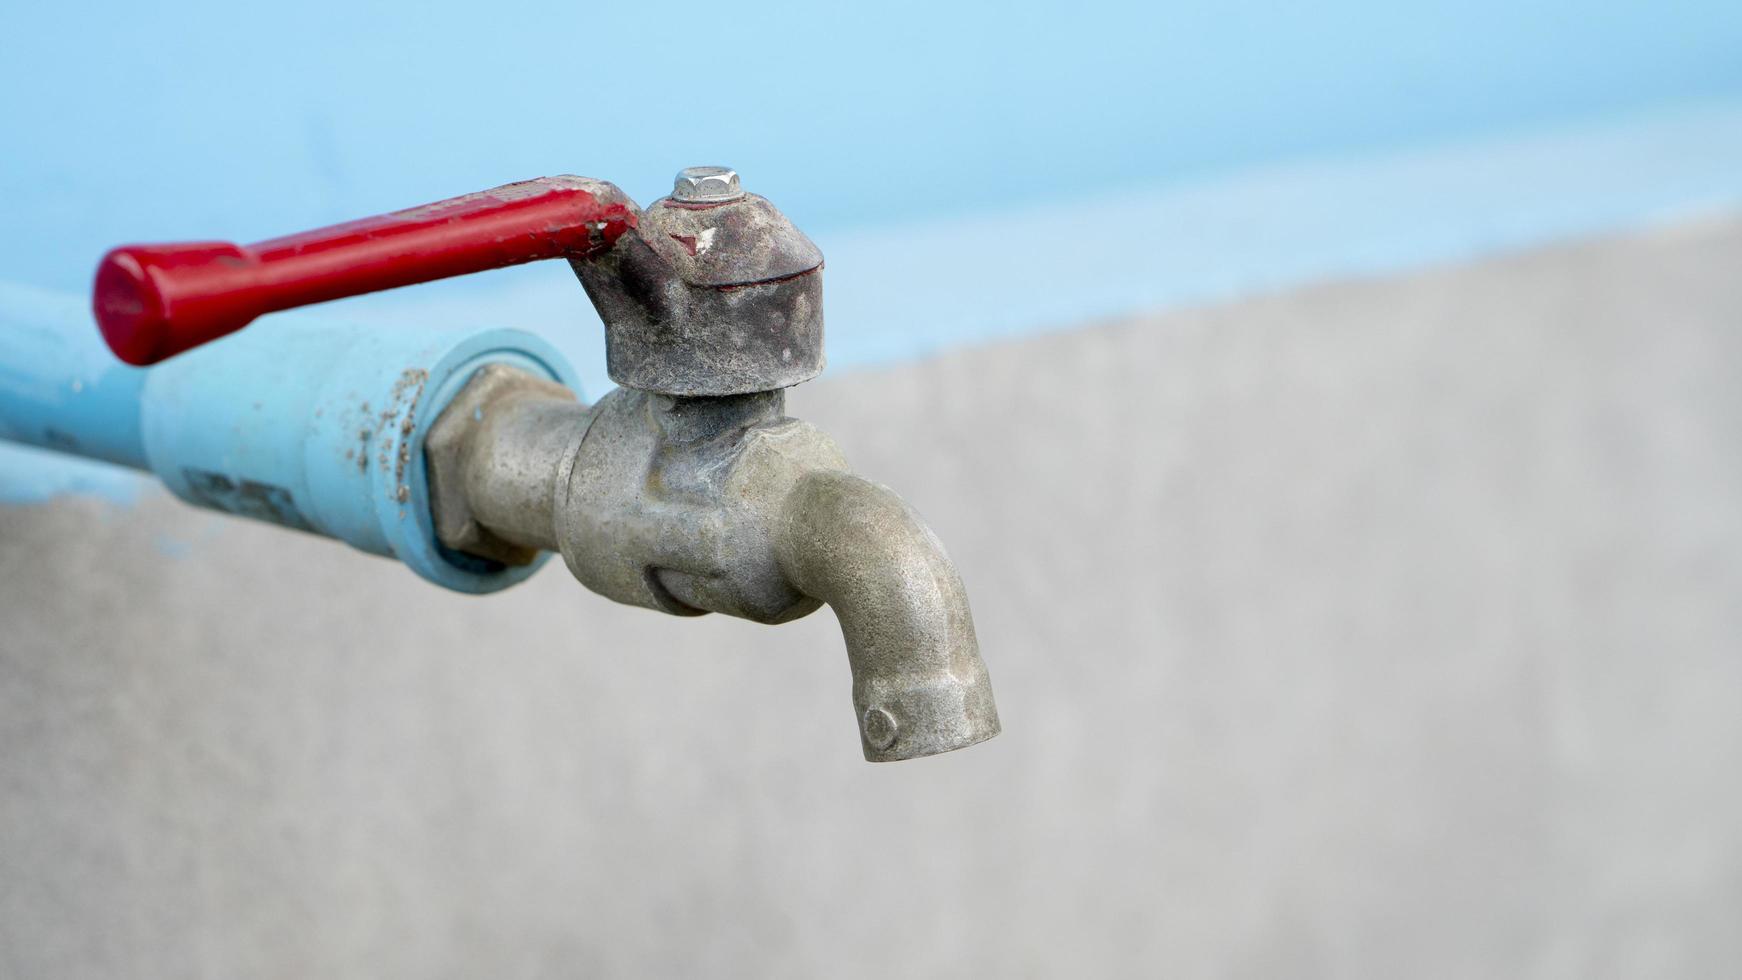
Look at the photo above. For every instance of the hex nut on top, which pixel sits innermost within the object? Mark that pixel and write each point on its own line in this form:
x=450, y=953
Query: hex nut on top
x=706, y=185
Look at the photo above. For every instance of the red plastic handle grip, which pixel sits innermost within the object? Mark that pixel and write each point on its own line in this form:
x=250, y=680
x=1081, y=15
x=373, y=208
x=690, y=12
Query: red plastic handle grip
x=155, y=301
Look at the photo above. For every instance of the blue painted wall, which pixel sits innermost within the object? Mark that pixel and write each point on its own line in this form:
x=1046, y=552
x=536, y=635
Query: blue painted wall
x=127, y=121
x=1197, y=151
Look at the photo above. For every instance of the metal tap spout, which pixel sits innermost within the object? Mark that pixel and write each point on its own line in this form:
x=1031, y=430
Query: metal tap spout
x=724, y=504
x=919, y=686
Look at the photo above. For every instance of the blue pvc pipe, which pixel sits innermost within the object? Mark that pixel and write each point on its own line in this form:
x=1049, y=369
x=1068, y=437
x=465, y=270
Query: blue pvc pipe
x=60, y=388
x=295, y=421
x=320, y=427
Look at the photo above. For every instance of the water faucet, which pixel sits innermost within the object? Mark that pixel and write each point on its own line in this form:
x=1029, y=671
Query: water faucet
x=685, y=490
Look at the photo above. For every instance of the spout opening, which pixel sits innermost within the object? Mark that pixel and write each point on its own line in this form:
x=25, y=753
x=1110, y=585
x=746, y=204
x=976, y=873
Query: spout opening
x=930, y=717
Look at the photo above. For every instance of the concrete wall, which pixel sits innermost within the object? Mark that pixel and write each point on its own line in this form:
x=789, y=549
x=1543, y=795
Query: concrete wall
x=1378, y=629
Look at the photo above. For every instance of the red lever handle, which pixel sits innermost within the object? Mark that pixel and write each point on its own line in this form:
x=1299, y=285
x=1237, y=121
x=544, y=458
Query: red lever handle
x=155, y=301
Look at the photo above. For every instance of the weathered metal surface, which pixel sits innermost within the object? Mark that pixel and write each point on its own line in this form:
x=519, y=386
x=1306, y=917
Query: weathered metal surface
x=724, y=504
x=659, y=510
x=491, y=445
x=710, y=299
